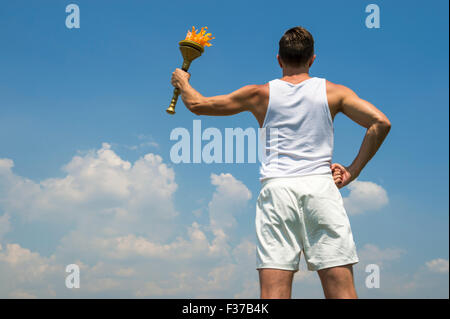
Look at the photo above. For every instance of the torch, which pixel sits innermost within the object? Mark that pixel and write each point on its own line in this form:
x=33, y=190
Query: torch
x=191, y=48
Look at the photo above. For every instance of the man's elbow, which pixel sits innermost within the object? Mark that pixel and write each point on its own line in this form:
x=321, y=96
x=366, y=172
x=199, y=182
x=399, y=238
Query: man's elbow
x=193, y=105
x=200, y=106
x=195, y=108
x=384, y=125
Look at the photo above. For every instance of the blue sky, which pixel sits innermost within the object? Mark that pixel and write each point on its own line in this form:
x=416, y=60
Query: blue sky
x=65, y=92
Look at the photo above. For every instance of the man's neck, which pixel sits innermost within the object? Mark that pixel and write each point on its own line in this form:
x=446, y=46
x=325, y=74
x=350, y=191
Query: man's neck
x=295, y=75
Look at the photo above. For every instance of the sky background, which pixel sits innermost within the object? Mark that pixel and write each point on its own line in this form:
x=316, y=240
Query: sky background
x=85, y=171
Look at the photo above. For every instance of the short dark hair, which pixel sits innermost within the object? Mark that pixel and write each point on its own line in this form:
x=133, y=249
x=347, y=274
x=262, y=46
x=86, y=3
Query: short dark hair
x=296, y=47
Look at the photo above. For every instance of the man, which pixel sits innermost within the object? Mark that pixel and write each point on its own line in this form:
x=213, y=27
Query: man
x=300, y=208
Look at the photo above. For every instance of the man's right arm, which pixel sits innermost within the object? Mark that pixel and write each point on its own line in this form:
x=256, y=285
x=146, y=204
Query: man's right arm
x=344, y=100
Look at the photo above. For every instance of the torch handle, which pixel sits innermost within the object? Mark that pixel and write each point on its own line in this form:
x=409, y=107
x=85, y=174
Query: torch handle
x=176, y=91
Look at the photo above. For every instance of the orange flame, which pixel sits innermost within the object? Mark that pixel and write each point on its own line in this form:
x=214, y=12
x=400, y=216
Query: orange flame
x=201, y=37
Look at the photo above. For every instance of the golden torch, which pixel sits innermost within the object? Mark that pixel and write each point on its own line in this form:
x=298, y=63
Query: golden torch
x=191, y=48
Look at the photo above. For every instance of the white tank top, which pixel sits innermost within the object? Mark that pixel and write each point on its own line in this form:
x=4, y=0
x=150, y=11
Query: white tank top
x=299, y=130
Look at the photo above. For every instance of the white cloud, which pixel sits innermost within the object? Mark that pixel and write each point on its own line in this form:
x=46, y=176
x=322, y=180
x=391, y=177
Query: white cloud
x=25, y=274
x=428, y=281
x=250, y=290
x=123, y=231
x=5, y=225
x=144, y=142
x=438, y=265
x=19, y=294
x=6, y=164
x=101, y=191
x=231, y=197
x=125, y=272
x=365, y=196
x=196, y=245
x=373, y=254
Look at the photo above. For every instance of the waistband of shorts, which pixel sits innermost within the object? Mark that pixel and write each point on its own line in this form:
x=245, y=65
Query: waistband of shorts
x=268, y=180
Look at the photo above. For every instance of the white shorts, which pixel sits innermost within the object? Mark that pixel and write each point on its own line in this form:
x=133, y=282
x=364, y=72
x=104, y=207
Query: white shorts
x=304, y=213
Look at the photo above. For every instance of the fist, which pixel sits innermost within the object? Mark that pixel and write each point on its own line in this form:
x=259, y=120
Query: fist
x=341, y=175
x=179, y=78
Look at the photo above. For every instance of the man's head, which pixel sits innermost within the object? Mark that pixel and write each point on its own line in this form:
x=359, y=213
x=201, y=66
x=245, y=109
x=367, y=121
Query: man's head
x=296, y=49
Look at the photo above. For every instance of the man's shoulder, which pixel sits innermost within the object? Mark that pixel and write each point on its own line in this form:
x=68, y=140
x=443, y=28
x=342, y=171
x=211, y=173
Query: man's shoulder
x=337, y=92
x=336, y=88
x=256, y=90
x=257, y=97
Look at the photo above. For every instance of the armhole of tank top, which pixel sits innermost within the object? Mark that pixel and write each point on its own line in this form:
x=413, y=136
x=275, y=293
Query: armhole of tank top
x=327, y=107
x=268, y=105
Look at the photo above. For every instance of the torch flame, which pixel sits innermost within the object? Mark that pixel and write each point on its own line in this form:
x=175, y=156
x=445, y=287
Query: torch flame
x=201, y=37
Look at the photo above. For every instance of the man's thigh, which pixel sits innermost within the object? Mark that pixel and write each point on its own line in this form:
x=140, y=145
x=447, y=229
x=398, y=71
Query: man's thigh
x=275, y=283
x=337, y=282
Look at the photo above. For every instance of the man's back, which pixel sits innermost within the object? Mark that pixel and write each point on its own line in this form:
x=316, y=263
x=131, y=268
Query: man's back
x=302, y=143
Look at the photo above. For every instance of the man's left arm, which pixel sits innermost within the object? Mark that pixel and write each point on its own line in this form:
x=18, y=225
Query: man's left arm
x=243, y=99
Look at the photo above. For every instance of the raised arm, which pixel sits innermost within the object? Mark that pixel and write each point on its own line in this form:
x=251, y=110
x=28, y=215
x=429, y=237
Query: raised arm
x=342, y=99
x=246, y=98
